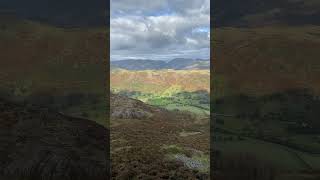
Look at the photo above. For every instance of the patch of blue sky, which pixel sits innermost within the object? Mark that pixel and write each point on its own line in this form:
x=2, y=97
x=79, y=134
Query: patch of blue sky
x=204, y=29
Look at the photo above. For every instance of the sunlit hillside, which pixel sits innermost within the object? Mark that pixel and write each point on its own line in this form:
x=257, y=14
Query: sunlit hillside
x=161, y=81
x=184, y=90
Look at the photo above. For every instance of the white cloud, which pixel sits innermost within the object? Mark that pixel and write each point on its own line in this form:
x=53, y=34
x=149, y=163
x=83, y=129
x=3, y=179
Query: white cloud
x=139, y=29
x=136, y=6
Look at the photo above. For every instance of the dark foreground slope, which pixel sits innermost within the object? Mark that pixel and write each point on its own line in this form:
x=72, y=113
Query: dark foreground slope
x=148, y=142
x=37, y=143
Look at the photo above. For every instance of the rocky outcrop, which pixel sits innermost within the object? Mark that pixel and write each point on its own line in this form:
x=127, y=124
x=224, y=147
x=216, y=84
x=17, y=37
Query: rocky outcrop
x=126, y=108
x=36, y=143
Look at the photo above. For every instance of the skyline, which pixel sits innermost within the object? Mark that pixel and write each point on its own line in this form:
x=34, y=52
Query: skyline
x=160, y=30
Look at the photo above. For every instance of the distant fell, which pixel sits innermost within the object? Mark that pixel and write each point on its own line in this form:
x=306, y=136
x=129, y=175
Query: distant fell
x=176, y=64
x=160, y=81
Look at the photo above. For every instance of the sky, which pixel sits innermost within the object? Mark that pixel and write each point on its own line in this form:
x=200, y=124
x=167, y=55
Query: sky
x=160, y=29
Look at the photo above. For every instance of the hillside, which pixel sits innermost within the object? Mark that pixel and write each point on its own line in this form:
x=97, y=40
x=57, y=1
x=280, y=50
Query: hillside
x=181, y=90
x=34, y=145
x=265, y=89
x=149, y=142
x=161, y=81
x=260, y=61
x=48, y=54
x=176, y=64
x=265, y=96
x=126, y=108
x=60, y=67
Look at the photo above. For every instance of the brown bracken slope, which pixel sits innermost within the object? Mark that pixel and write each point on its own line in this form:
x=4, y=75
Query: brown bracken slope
x=138, y=134
x=265, y=60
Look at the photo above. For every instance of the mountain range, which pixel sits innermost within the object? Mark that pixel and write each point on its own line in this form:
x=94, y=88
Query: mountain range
x=176, y=64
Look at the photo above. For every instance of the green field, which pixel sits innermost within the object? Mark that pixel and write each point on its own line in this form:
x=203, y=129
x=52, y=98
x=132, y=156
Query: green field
x=280, y=156
x=194, y=102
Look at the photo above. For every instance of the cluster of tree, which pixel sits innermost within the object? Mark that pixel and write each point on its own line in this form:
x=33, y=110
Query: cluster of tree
x=201, y=95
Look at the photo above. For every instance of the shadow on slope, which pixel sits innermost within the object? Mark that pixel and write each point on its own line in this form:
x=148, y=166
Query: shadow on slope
x=38, y=143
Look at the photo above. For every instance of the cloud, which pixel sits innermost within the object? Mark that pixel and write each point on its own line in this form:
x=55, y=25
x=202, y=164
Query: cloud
x=136, y=6
x=162, y=29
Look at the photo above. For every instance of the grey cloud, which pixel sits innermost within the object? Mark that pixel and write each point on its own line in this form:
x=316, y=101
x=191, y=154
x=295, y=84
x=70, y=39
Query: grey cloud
x=137, y=6
x=146, y=6
x=191, y=6
x=169, y=35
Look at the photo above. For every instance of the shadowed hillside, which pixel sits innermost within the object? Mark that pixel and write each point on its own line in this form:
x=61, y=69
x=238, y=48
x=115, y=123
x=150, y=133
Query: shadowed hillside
x=52, y=88
x=58, y=67
x=38, y=143
x=266, y=60
x=265, y=90
x=45, y=54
